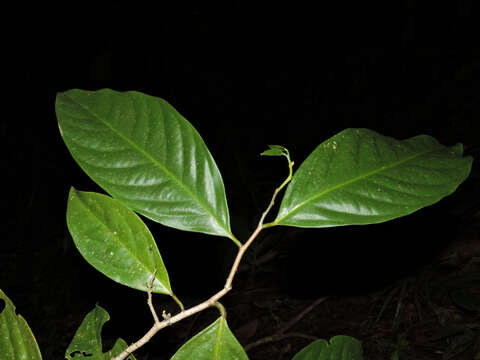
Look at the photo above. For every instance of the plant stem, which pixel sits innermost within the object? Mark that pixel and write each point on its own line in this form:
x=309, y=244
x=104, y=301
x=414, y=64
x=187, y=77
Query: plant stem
x=149, y=299
x=221, y=308
x=212, y=301
x=177, y=300
x=235, y=240
x=277, y=190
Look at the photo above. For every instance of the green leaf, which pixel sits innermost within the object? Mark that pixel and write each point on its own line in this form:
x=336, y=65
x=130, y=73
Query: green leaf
x=216, y=342
x=360, y=177
x=16, y=339
x=115, y=241
x=275, y=150
x=340, y=348
x=272, y=152
x=87, y=342
x=143, y=152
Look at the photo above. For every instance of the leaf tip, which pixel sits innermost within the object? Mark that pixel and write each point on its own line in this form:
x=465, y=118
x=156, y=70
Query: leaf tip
x=72, y=192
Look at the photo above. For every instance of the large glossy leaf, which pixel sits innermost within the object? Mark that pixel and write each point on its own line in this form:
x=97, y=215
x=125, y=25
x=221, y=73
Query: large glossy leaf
x=16, y=339
x=340, y=348
x=87, y=342
x=144, y=153
x=114, y=240
x=360, y=177
x=216, y=342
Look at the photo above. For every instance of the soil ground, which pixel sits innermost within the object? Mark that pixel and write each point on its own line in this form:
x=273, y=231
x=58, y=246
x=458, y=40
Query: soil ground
x=432, y=314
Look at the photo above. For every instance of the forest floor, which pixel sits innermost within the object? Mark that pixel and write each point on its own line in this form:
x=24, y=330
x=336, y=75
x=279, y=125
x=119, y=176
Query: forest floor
x=433, y=314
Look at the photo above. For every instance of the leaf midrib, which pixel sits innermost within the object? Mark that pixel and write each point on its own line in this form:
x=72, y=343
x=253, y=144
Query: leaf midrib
x=117, y=240
x=218, y=339
x=361, y=177
x=153, y=160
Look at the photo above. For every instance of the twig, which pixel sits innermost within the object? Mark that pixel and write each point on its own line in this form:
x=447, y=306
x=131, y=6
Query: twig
x=302, y=314
x=149, y=299
x=281, y=333
x=277, y=337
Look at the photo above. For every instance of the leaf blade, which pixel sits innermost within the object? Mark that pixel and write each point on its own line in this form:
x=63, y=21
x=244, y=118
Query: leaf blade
x=360, y=177
x=87, y=341
x=144, y=153
x=114, y=240
x=215, y=342
x=16, y=338
x=340, y=347
x=276, y=150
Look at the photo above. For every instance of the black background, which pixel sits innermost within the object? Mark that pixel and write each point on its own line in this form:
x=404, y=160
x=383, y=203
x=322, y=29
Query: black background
x=245, y=75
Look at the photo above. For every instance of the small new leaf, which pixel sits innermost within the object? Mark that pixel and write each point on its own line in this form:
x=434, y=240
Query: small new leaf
x=276, y=150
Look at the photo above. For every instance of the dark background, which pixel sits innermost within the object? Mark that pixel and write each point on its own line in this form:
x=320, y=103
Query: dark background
x=245, y=75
